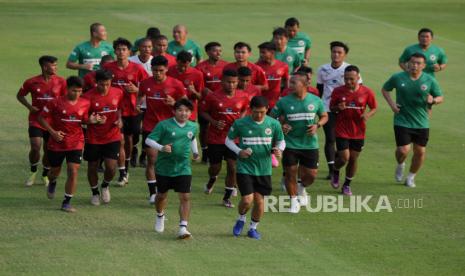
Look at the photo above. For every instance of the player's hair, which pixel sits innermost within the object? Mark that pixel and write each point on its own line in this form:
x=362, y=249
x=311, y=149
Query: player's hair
x=418, y=55
x=292, y=21
x=244, y=71
x=184, y=102
x=144, y=40
x=241, y=44
x=352, y=68
x=152, y=32
x=160, y=37
x=210, y=45
x=94, y=27
x=74, y=81
x=339, y=44
x=159, y=61
x=425, y=30
x=47, y=59
x=267, y=46
x=121, y=41
x=103, y=75
x=229, y=73
x=280, y=32
x=301, y=74
x=184, y=56
x=106, y=58
x=258, y=101
x=305, y=69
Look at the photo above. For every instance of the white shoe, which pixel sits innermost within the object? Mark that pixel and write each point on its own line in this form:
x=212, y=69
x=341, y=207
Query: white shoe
x=159, y=224
x=106, y=197
x=295, y=206
x=283, y=184
x=302, y=195
x=45, y=180
x=234, y=192
x=400, y=172
x=95, y=200
x=152, y=199
x=410, y=182
x=30, y=181
x=122, y=181
x=183, y=233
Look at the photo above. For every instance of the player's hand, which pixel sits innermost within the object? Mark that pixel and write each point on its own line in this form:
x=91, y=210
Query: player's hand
x=277, y=152
x=219, y=124
x=88, y=66
x=131, y=88
x=93, y=118
x=33, y=109
x=430, y=99
x=246, y=153
x=101, y=119
x=437, y=67
x=311, y=129
x=58, y=135
x=395, y=109
x=286, y=128
x=119, y=123
x=341, y=105
x=196, y=157
x=166, y=148
x=169, y=100
x=364, y=117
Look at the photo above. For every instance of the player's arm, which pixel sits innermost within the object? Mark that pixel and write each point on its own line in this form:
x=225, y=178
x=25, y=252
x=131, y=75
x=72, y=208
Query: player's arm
x=56, y=135
x=21, y=97
x=373, y=105
x=77, y=66
x=335, y=105
x=306, y=57
x=195, y=149
x=390, y=101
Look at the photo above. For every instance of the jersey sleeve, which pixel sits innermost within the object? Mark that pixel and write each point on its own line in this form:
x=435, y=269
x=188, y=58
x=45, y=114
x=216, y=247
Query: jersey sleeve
x=180, y=91
x=74, y=55
x=442, y=59
x=308, y=43
x=297, y=61
x=334, y=98
x=276, y=110
x=286, y=72
x=25, y=88
x=321, y=107
x=261, y=77
x=405, y=56
x=435, y=89
x=389, y=84
x=319, y=77
x=233, y=132
x=371, y=101
x=142, y=74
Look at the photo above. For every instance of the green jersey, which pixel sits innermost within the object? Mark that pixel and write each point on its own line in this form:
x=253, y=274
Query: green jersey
x=299, y=114
x=434, y=55
x=289, y=56
x=411, y=97
x=178, y=162
x=260, y=138
x=85, y=53
x=174, y=48
x=301, y=42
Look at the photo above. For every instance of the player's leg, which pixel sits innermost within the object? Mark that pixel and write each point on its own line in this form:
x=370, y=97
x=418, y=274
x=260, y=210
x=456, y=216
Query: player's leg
x=56, y=159
x=128, y=139
x=420, y=140
x=343, y=155
x=92, y=156
x=203, y=130
x=290, y=163
x=403, y=139
x=262, y=187
x=245, y=186
x=35, y=141
x=136, y=139
x=73, y=162
x=150, y=172
x=307, y=172
x=330, y=142
x=215, y=157
x=45, y=162
x=230, y=181
x=121, y=164
x=110, y=154
x=161, y=200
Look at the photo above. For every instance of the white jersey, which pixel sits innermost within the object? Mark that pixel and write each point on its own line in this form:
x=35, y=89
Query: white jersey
x=147, y=65
x=331, y=78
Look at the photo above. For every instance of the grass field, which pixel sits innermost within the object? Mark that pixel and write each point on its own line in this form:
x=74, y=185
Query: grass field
x=35, y=238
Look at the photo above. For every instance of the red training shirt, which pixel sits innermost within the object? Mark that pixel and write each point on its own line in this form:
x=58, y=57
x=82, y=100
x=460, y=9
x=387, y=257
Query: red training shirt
x=212, y=73
x=275, y=75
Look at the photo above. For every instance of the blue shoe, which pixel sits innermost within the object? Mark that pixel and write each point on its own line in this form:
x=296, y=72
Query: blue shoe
x=237, y=229
x=51, y=190
x=253, y=234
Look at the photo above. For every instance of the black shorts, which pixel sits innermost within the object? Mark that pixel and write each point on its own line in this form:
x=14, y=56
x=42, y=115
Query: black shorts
x=72, y=156
x=218, y=153
x=180, y=184
x=406, y=136
x=94, y=152
x=351, y=144
x=38, y=132
x=131, y=125
x=249, y=184
x=306, y=158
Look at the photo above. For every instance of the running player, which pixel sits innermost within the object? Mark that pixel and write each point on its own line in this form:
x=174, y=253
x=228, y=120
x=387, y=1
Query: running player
x=180, y=43
x=221, y=108
x=415, y=91
x=151, y=33
x=285, y=53
x=298, y=113
x=299, y=41
x=349, y=103
x=86, y=56
x=244, y=84
x=43, y=88
x=62, y=118
x=89, y=78
x=173, y=139
x=160, y=47
x=103, y=140
x=309, y=72
x=258, y=135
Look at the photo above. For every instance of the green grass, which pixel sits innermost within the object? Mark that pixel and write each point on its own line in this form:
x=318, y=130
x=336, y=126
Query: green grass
x=35, y=238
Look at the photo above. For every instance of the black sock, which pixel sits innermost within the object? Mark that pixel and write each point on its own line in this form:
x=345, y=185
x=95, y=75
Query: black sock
x=52, y=182
x=45, y=171
x=67, y=199
x=95, y=190
x=205, y=154
x=122, y=172
x=347, y=181
x=227, y=193
x=211, y=181
x=33, y=168
x=142, y=156
x=126, y=165
x=105, y=184
x=152, y=186
x=331, y=168
x=335, y=172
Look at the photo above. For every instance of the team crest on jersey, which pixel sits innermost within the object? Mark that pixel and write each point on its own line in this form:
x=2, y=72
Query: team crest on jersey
x=289, y=59
x=104, y=53
x=423, y=87
x=432, y=57
x=311, y=107
x=301, y=43
x=268, y=131
x=190, y=135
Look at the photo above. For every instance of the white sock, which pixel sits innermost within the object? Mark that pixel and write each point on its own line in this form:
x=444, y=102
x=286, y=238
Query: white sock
x=242, y=218
x=183, y=223
x=253, y=224
x=411, y=175
x=160, y=214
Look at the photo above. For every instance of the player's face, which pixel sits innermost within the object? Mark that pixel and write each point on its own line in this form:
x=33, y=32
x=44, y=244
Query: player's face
x=425, y=39
x=50, y=68
x=159, y=72
x=351, y=79
x=182, y=114
x=338, y=54
x=241, y=54
x=179, y=34
x=244, y=81
x=292, y=30
x=145, y=48
x=266, y=55
x=298, y=84
x=416, y=65
x=74, y=93
x=103, y=86
x=161, y=46
x=122, y=52
x=280, y=41
x=215, y=53
x=229, y=84
x=182, y=66
x=101, y=33
x=259, y=113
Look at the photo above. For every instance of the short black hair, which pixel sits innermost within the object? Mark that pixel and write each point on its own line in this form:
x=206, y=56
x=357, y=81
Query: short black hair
x=143, y=40
x=121, y=41
x=418, y=55
x=292, y=21
x=152, y=32
x=184, y=56
x=94, y=27
x=425, y=30
x=159, y=61
x=267, y=46
x=184, y=102
x=280, y=32
x=305, y=69
x=47, y=59
x=103, y=75
x=230, y=73
x=241, y=44
x=259, y=101
x=160, y=37
x=301, y=74
x=212, y=44
x=74, y=81
x=244, y=71
x=339, y=44
x=106, y=58
x=352, y=68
